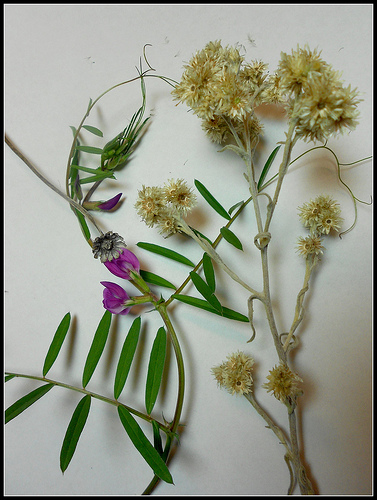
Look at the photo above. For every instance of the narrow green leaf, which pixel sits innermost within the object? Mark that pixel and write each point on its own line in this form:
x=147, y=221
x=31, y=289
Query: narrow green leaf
x=74, y=430
x=166, y=252
x=56, y=343
x=230, y=237
x=211, y=200
x=99, y=177
x=203, y=304
x=86, y=169
x=206, y=291
x=156, y=280
x=126, y=357
x=19, y=406
x=143, y=445
x=233, y=208
x=97, y=347
x=155, y=369
x=90, y=149
x=157, y=437
x=267, y=166
x=8, y=377
x=83, y=224
x=209, y=272
x=93, y=130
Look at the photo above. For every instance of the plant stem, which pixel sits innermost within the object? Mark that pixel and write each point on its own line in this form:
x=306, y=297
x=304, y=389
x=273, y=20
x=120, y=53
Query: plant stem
x=113, y=402
x=34, y=169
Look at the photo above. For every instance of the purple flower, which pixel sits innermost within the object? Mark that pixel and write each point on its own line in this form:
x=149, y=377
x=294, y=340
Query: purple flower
x=114, y=298
x=126, y=263
x=109, y=204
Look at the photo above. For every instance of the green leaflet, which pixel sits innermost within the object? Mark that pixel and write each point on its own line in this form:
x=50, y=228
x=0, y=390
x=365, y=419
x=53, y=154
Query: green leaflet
x=98, y=177
x=211, y=200
x=56, y=343
x=156, y=280
x=74, y=430
x=233, y=208
x=206, y=291
x=209, y=272
x=157, y=437
x=142, y=444
x=93, y=130
x=267, y=166
x=203, y=304
x=97, y=347
x=83, y=224
x=90, y=149
x=8, y=377
x=166, y=252
x=155, y=369
x=230, y=237
x=19, y=406
x=126, y=357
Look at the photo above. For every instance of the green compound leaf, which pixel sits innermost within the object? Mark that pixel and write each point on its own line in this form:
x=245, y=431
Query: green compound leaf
x=166, y=252
x=74, y=430
x=97, y=347
x=209, y=272
x=203, y=304
x=23, y=403
x=56, y=343
x=155, y=369
x=206, y=291
x=126, y=357
x=153, y=279
x=267, y=166
x=211, y=200
x=143, y=445
x=90, y=149
x=93, y=130
x=230, y=237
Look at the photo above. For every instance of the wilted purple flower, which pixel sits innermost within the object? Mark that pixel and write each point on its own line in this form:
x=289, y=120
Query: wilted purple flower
x=108, y=246
x=109, y=204
x=122, y=266
x=114, y=298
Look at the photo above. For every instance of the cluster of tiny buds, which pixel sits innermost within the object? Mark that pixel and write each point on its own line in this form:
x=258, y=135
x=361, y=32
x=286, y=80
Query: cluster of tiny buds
x=108, y=246
x=165, y=206
x=320, y=216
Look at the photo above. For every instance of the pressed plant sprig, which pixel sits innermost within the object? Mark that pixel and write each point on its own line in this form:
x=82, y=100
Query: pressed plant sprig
x=223, y=91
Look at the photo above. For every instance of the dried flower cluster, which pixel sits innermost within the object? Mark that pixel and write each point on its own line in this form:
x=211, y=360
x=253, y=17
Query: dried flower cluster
x=235, y=373
x=223, y=90
x=282, y=382
x=165, y=206
x=320, y=216
x=220, y=89
x=318, y=101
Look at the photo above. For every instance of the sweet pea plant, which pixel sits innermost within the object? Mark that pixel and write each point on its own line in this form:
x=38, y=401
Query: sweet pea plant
x=224, y=92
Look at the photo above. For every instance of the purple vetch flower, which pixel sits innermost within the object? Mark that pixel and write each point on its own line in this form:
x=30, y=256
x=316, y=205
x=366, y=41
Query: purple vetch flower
x=115, y=298
x=109, y=204
x=122, y=266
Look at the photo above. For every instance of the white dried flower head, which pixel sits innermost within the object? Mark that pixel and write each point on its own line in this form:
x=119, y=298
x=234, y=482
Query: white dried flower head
x=168, y=221
x=150, y=203
x=311, y=245
x=235, y=374
x=282, y=382
x=321, y=215
x=177, y=193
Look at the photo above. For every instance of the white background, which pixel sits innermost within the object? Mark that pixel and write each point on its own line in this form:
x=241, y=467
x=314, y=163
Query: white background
x=56, y=57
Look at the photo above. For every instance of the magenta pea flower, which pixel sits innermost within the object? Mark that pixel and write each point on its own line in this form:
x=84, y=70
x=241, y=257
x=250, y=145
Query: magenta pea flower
x=115, y=298
x=109, y=204
x=125, y=265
